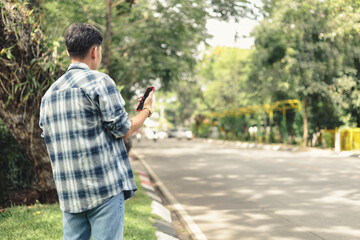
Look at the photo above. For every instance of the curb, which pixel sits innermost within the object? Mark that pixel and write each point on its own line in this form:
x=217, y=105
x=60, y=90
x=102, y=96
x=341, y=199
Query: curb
x=251, y=145
x=276, y=147
x=165, y=229
x=176, y=207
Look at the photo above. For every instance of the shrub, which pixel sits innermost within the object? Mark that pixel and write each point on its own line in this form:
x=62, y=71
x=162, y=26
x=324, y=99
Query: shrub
x=16, y=170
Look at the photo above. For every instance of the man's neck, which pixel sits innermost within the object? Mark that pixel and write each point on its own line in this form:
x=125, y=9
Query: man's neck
x=87, y=62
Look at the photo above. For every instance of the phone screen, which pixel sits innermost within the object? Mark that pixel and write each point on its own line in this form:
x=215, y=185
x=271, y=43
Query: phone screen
x=146, y=94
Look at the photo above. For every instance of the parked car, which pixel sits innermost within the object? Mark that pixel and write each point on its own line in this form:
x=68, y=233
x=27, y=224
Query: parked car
x=181, y=133
x=185, y=134
x=172, y=133
x=151, y=134
x=162, y=135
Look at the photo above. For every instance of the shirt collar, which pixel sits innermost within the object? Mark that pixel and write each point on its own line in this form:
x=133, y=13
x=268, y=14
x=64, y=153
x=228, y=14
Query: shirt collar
x=79, y=65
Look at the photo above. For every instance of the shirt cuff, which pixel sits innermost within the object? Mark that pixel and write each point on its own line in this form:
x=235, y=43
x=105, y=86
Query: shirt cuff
x=120, y=128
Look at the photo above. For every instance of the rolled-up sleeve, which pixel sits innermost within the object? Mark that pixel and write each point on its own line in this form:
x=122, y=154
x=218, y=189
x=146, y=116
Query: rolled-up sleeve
x=112, y=108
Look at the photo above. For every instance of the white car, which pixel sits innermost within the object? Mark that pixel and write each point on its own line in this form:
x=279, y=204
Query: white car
x=151, y=134
x=184, y=134
x=163, y=135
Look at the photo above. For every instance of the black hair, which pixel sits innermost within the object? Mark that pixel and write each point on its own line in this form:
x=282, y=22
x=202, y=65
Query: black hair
x=80, y=37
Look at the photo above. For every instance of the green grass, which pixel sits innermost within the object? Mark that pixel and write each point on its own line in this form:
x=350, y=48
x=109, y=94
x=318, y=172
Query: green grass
x=44, y=221
x=138, y=217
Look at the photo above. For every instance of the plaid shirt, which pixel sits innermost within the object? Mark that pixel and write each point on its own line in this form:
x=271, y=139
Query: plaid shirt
x=83, y=120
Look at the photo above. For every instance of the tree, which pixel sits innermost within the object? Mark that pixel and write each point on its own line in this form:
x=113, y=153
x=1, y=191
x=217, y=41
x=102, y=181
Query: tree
x=301, y=53
x=223, y=73
x=108, y=36
x=26, y=71
x=149, y=39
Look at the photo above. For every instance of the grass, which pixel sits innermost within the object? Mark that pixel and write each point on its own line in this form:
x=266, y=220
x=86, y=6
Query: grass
x=44, y=221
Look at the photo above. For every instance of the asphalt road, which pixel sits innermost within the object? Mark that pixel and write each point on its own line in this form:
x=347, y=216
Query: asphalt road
x=243, y=194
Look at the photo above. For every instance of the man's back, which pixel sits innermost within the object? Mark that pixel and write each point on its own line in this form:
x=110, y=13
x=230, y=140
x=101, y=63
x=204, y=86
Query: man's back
x=83, y=120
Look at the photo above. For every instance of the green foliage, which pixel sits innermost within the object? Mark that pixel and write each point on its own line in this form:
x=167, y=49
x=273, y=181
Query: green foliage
x=151, y=40
x=306, y=49
x=26, y=62
x=204, y=131
x=157, y=42
x=223, y=73
x=233, y=127
x=233, y=9
x=329, y=139
x=226, y=73
x=180, y=104
x=303, y=49
x=15, y=169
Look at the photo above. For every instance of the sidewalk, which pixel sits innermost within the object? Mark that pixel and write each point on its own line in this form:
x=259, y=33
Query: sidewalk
x=164, y=225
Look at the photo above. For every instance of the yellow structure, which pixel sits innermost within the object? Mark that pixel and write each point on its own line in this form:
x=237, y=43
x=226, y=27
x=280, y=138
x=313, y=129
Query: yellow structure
x=349, y=138
x=282, y=106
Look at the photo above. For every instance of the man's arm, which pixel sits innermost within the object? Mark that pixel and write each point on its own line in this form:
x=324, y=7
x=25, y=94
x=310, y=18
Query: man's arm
x=111, y=105
x=139, y=119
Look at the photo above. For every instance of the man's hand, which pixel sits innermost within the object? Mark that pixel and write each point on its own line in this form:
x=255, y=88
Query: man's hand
x=139, y=119
x=149, y=100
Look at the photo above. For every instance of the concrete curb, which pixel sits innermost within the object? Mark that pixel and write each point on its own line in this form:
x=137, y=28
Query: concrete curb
x=194, y=231
x=277, y=147
x=250, y=145
x=163, y=225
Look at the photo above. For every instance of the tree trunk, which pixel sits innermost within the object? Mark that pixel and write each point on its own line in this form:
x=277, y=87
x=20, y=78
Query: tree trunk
x=108, y=36
x=24, y=127
x=306, y=130
x=23, y=81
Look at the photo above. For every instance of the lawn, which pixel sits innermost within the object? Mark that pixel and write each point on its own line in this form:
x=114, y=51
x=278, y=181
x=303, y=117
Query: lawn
x=44, y=221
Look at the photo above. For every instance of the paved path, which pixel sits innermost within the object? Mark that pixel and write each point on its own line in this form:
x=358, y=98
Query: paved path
x=242, y=194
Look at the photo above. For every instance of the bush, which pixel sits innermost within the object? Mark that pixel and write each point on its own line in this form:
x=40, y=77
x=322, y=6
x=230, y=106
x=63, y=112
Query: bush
x=329, y=139
x=203, y=131
x=16, y=170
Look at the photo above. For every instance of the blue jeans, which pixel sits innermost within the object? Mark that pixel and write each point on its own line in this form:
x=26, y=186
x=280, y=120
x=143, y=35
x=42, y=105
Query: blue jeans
x=103, y=222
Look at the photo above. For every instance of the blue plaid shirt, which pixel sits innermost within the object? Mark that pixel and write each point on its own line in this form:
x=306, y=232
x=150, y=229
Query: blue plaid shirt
x=83, y=120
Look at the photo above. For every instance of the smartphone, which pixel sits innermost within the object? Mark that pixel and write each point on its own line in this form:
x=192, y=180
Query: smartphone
x=146, y=94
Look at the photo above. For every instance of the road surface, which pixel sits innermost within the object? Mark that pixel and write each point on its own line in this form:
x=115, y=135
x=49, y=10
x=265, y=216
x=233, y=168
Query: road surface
x=243, y=194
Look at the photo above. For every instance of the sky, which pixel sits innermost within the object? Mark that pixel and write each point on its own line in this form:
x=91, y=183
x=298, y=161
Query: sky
x=224, y=33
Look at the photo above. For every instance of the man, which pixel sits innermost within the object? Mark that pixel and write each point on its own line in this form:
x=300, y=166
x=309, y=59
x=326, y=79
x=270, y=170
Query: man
x=84, y=123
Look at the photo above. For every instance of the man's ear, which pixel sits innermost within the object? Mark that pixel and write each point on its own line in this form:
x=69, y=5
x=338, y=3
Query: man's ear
x=67, y=52
x=93, y=52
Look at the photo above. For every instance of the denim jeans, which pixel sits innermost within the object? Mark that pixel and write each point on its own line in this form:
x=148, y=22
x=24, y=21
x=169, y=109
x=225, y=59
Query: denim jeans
x=103, y=222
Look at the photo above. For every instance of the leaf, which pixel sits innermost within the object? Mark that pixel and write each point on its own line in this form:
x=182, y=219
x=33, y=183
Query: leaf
x=9, y=55
x=19, y=85
x=47, y=66
x=120, y=87
x=13, y=7
x=33, y=61
x=8, y=100
x=24, y=99
x=8, y=52
x=30, y=12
